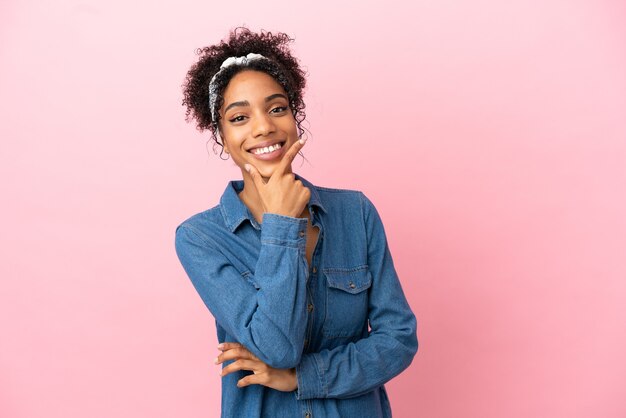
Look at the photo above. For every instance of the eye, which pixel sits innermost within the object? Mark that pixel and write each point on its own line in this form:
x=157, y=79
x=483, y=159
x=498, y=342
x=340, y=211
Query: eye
x=278, y=109
x=237, y=119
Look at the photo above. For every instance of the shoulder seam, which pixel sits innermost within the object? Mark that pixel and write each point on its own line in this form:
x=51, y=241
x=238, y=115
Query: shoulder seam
x=193, y=230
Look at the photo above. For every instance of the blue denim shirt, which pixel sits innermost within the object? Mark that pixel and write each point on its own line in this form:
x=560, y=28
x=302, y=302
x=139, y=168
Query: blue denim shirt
x=343, y=322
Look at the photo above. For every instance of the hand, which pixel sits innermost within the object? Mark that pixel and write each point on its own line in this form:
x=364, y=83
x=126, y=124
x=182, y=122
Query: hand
x=284, y=380
x=282, y=194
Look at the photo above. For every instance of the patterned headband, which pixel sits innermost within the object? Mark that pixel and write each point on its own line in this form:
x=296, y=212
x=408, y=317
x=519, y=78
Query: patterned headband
x=227, y=63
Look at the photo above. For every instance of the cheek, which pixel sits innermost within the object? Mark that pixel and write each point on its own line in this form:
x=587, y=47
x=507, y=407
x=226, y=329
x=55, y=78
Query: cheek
x=290, y=125
x=230, y=138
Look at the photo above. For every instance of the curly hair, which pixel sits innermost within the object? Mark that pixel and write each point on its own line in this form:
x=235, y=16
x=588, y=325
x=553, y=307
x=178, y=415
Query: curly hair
x=281, y=66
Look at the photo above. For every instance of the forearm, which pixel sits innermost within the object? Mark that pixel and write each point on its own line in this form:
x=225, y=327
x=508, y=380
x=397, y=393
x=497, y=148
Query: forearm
x=357, y=367
x=275, y=332
x=263, y=309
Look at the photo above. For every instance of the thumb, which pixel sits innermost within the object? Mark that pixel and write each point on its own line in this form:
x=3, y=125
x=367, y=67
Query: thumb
x=256, y=176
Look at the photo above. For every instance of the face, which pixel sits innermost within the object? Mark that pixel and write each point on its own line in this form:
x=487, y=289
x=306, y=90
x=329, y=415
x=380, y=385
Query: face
x=257, y=125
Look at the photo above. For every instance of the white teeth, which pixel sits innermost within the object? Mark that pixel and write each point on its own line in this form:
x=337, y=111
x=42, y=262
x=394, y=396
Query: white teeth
x=265, y=150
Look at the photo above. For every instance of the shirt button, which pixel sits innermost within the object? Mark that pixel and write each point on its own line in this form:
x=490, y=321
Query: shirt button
x=301, y=233
x=307, y=415
x=352, y=285
x=309, y=307
x=314, y=269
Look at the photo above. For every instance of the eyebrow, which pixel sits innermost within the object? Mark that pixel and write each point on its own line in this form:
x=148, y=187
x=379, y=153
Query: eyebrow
x=247, y=103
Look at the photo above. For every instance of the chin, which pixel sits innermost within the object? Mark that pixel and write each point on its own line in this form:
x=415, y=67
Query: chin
x=266, y=173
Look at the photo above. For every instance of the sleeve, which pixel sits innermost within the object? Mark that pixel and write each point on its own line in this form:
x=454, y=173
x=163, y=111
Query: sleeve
x=267, y=317
x=359, y=367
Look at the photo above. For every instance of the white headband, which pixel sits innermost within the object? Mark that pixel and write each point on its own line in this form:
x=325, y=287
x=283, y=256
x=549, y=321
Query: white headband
x=227, y=63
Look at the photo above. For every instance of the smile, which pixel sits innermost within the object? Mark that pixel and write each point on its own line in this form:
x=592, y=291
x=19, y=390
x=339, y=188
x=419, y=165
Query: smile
x=267, y=150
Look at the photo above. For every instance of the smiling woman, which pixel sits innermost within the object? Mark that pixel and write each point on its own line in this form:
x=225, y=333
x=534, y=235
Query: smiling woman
x=311, y=317
x=263, y=115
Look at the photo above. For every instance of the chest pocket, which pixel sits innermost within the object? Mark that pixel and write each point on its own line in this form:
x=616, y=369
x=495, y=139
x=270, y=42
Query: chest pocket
x=346, y=301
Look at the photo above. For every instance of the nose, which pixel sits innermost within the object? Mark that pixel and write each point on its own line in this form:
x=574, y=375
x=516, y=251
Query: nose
x=262, y=125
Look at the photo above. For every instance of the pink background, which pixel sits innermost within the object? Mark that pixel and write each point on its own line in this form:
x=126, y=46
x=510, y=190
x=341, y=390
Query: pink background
x=491, y=136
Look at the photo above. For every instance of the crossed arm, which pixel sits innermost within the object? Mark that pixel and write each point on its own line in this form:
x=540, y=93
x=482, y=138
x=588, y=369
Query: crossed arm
x=269, y=336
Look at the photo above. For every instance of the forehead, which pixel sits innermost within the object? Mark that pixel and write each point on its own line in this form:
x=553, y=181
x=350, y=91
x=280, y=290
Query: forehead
x=251, y=84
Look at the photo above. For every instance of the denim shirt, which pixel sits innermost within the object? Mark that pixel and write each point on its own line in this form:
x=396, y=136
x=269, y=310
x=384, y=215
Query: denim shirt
x=343, y=322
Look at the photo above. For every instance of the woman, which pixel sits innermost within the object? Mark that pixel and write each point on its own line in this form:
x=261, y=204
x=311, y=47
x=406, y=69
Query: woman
x=292, y=272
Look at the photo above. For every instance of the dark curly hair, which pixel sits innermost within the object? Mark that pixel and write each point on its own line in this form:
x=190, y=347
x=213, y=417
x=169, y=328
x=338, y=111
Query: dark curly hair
x=281, y=66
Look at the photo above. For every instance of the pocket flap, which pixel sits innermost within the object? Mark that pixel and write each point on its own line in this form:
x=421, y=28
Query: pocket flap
x=354, y=280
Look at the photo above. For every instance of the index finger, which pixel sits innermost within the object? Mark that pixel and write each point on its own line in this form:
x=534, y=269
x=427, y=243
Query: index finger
x=228, y=346
x=235, y=354
x=288, y=157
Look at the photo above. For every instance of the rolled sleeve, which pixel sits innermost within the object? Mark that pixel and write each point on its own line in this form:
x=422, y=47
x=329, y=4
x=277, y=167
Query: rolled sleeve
x=310, y=378
x=283, y=230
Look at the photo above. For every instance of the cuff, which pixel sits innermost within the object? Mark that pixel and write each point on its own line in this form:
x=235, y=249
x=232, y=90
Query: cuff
x=283, y=230
x=310, y=378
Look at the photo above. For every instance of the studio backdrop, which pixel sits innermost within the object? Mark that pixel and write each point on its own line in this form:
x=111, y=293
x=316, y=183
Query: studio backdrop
x=490, y=135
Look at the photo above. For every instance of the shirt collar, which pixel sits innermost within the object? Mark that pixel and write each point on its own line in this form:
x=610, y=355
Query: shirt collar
x=235, y=211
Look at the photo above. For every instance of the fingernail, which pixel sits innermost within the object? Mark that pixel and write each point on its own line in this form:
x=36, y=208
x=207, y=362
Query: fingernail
x=302, y=140
x=220, y=346
x=217, y=360
x=247, y=167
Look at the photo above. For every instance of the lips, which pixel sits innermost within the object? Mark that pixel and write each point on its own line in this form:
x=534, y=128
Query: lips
x=265, y=144
x=274, y=153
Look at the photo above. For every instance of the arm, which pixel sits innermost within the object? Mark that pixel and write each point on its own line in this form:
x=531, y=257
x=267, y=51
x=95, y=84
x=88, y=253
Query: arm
x=357, y=368
x=267, y=318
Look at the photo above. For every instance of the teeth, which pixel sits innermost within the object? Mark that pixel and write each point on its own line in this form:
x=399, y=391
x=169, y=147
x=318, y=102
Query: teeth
x=265, y=150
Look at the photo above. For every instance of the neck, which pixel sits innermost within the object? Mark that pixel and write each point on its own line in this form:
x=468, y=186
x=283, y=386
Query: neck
x=250, y=197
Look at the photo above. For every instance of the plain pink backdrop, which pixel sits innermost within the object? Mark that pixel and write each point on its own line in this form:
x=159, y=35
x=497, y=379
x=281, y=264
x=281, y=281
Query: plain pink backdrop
x=490, y=135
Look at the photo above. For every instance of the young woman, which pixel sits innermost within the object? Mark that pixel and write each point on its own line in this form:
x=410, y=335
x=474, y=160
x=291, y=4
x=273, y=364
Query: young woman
x=310, y=314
